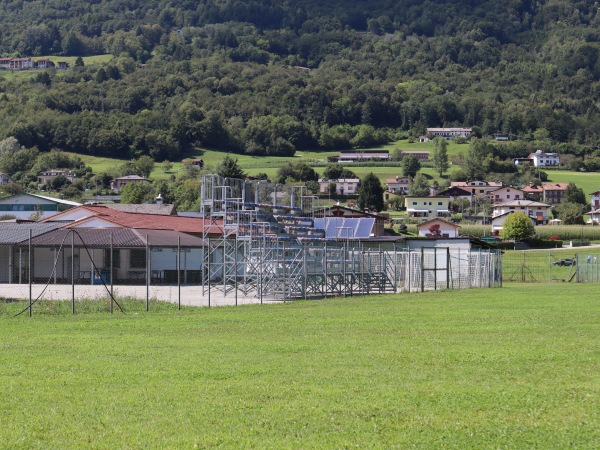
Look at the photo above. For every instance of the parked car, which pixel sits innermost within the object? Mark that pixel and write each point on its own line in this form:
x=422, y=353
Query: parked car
x=564, y=262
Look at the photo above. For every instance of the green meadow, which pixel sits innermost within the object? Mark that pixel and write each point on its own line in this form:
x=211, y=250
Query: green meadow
x=515, y=367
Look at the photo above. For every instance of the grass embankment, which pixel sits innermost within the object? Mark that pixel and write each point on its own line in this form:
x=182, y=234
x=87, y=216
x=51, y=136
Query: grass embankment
x=516, y=367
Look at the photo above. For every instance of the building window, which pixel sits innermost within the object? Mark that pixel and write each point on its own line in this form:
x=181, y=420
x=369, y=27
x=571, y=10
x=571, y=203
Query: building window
x=439, y=203
x=138, y=258
x=116, y=262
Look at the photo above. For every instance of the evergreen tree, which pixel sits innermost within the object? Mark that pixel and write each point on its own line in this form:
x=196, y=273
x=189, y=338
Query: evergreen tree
x=228, y=168
x=370, y=193
x=440, y=155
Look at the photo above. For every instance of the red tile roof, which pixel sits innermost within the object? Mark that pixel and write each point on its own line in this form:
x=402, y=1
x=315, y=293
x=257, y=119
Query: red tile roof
x=145, y=221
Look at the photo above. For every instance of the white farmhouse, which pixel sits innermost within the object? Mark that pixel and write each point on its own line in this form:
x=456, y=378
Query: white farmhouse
x=543, y=159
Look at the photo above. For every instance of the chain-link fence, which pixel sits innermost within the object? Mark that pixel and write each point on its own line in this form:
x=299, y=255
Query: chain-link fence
x=543, y=266
x=113, y=265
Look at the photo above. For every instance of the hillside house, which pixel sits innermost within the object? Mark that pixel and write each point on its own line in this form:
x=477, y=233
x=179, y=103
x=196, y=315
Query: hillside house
x=398, y=185
x=117, y=184
x=343, y=186
x=553, y=193
x=533, y=192
x=50, y=175
x=449, y=133
x=543, y=159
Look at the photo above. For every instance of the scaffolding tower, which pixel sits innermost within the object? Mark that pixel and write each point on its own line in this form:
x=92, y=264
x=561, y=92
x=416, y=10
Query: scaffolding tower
x=260, y=240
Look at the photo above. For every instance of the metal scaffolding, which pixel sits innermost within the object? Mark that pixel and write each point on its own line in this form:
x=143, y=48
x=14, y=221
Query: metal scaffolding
x=260, y=240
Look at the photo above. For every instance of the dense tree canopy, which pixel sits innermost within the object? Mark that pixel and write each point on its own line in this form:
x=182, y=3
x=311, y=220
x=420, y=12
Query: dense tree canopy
x=268, y=78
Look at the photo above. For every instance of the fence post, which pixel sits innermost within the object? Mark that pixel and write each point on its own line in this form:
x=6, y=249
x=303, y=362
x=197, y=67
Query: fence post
x=422, y=270
x=147, y=274
x=72, y=271
x=209, y=257
x=179, y=273
x=112, y=274
x=235, y=271
x=325, y=266
x=30, y=273
x=448, y=271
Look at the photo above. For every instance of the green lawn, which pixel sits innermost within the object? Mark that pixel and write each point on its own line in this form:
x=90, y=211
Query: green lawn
x=516, y=367
x=588, y=181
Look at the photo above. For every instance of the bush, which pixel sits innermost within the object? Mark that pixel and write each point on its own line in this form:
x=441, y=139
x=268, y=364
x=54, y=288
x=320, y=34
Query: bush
x=543, y=243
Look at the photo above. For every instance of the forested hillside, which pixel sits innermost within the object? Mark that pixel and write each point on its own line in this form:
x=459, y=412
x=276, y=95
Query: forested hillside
x=270, y=77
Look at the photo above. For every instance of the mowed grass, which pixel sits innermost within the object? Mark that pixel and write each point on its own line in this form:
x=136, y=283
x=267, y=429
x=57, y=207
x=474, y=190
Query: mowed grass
x=516, y=367
x=588, y=181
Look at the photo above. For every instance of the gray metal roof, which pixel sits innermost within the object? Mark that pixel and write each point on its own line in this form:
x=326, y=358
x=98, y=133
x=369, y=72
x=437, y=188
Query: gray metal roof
x=146, y=208
x=118, y=237
x=13, y=233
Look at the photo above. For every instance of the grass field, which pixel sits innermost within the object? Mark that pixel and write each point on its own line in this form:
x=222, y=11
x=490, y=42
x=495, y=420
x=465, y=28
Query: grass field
x=588, y=181
x=516, y=367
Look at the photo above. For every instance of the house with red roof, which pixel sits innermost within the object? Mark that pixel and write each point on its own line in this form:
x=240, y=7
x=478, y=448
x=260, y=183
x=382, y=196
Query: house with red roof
x=553, y=192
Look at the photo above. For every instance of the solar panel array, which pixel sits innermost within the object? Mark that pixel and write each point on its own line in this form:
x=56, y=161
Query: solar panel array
x=346, y=228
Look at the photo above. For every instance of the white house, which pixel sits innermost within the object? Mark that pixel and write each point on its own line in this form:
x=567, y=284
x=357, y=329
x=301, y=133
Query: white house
x=398, y=185
x=343, y=186
x=543, y=159
x=498, y=221
x=427, y=207
x=536, y=210
x=24, y=205
x=438, y=227
x=50, y=175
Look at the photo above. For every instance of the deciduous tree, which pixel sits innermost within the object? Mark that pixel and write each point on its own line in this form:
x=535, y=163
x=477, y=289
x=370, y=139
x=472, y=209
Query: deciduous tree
x=517, y=226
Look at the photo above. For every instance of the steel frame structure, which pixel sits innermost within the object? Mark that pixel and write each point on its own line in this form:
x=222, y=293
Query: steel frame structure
x=260, y=240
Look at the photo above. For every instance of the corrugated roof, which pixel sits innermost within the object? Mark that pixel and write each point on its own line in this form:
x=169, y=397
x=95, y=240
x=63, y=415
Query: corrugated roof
x=13, y=233
x=141, y=220
x=148, y=208
x=120, y=237
x=52, y=199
